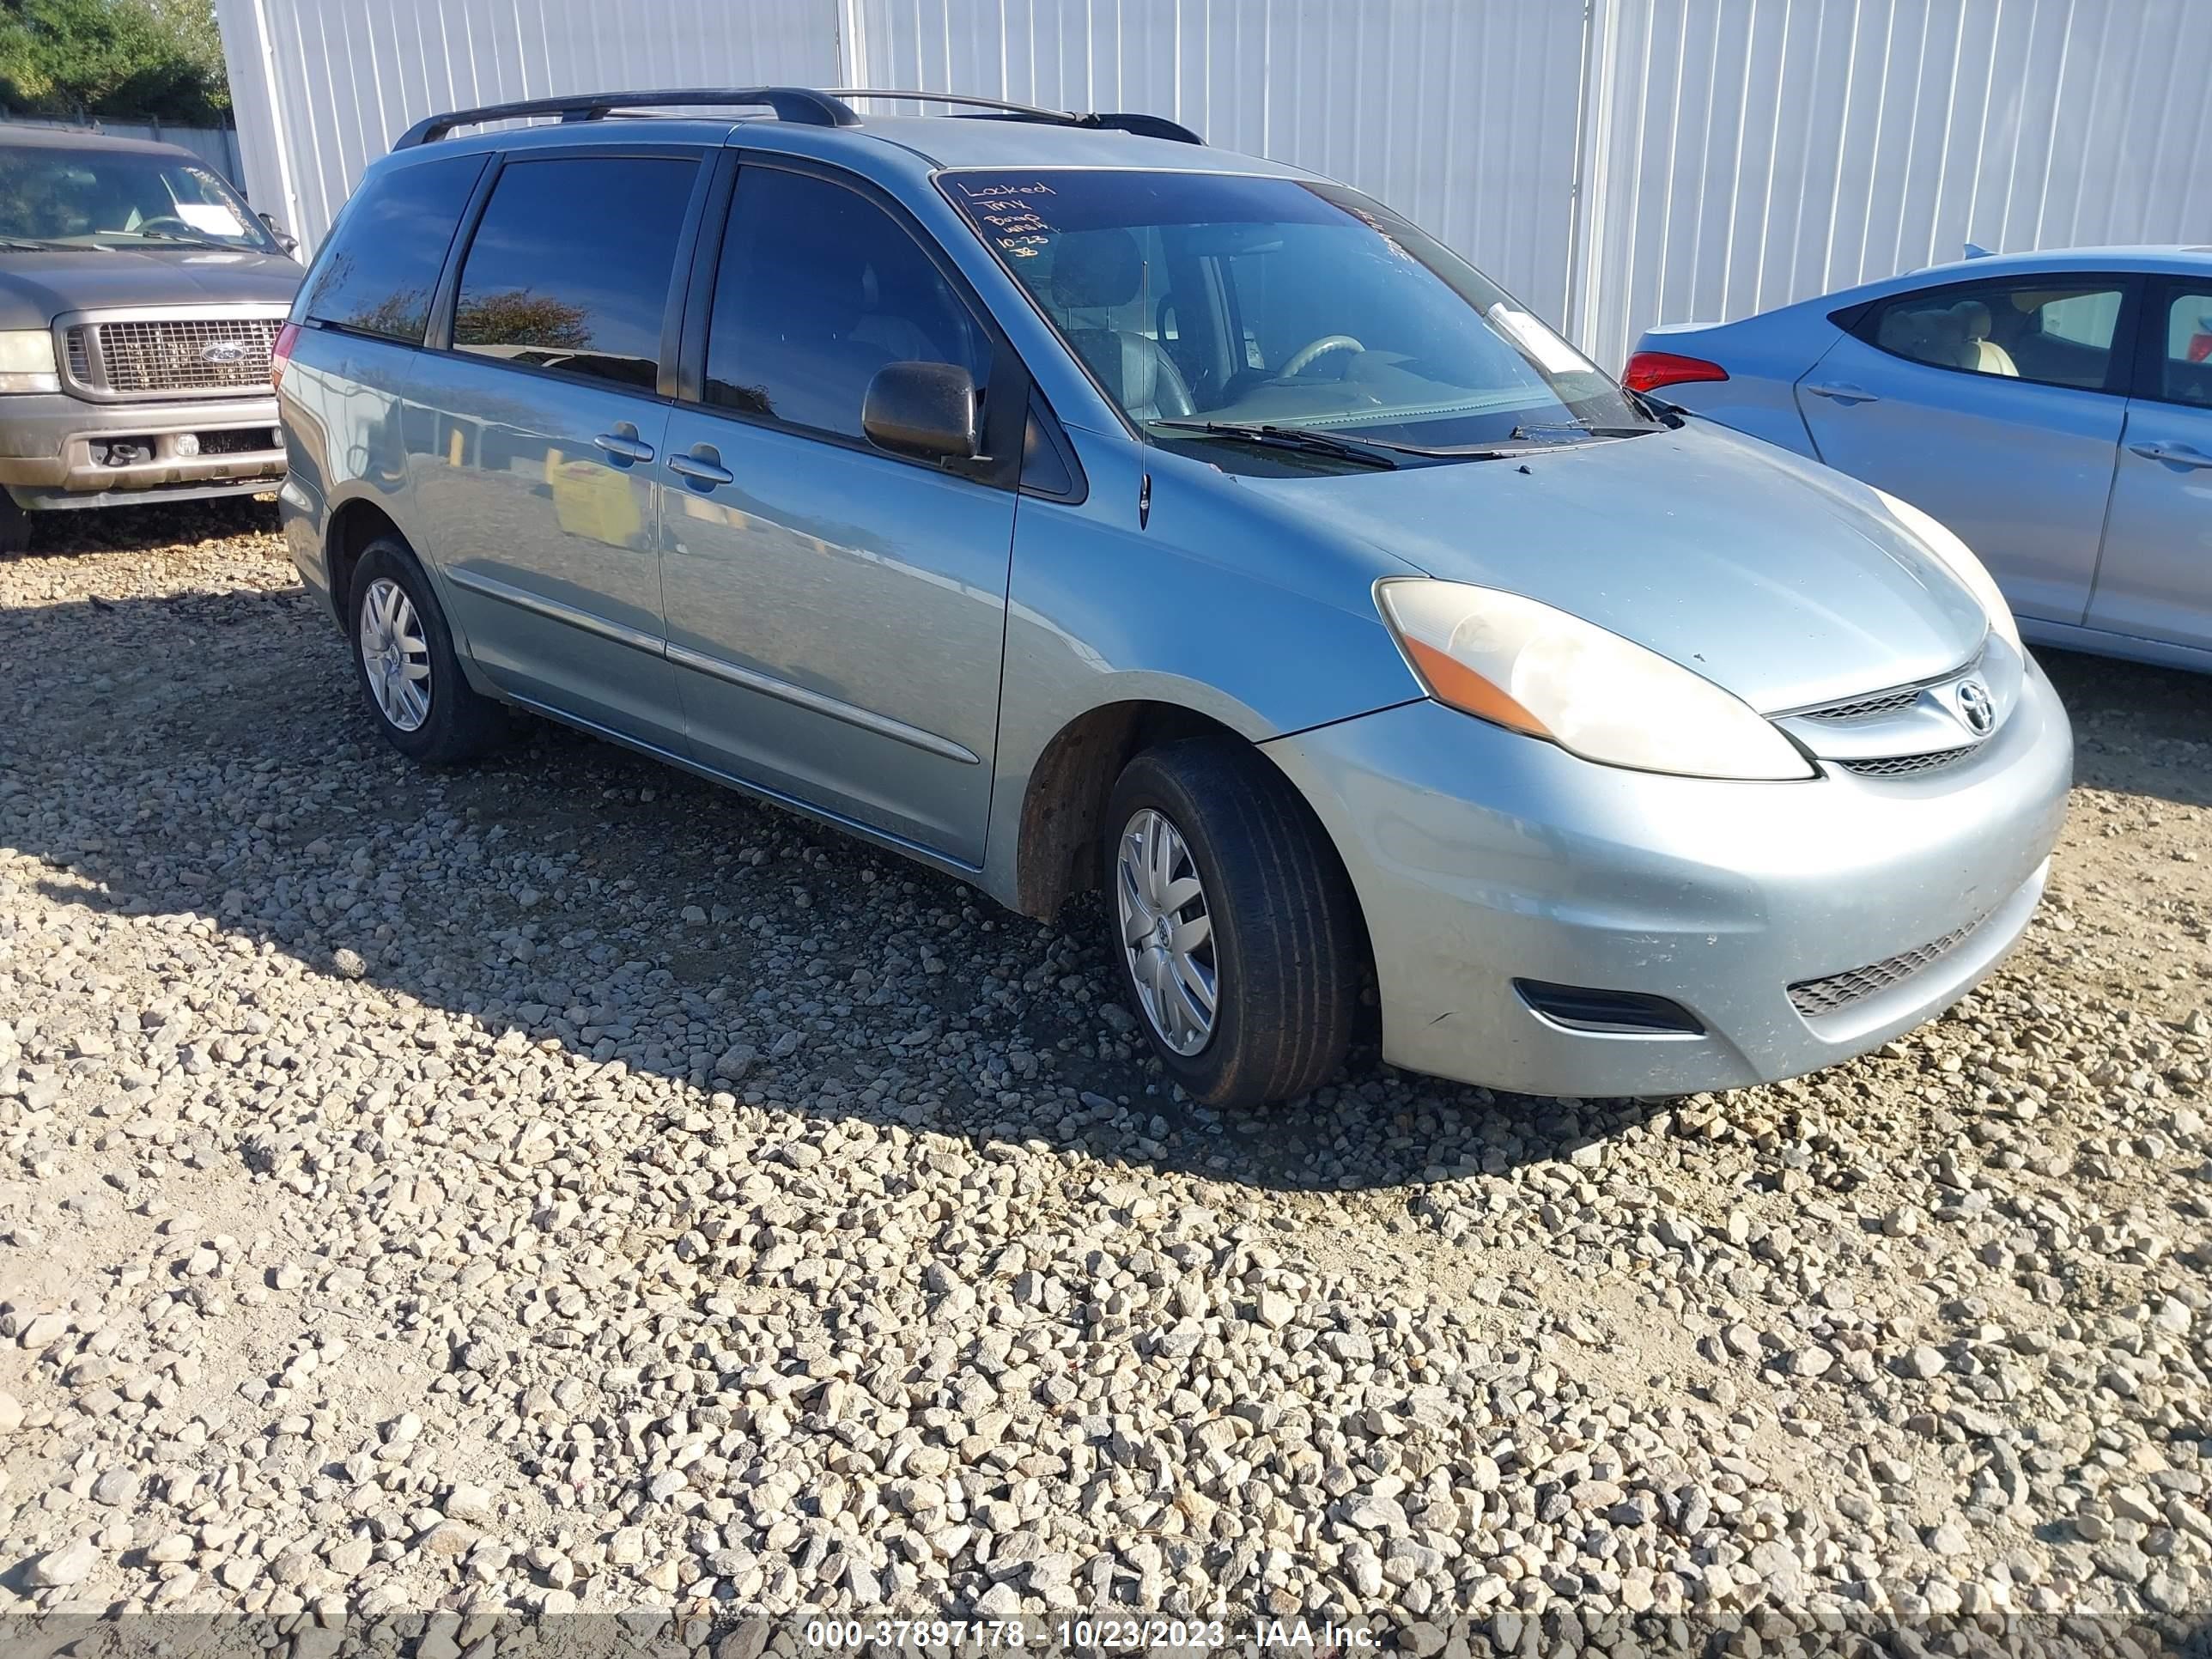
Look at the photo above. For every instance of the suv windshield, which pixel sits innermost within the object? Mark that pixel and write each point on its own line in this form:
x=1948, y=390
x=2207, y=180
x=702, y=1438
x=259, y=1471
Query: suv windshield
x=1223, y=300
x=95, y=197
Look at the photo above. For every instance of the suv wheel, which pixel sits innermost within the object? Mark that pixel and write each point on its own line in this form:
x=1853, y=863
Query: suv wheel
x=1232, y=925
x=14, y=524
x=403, y=655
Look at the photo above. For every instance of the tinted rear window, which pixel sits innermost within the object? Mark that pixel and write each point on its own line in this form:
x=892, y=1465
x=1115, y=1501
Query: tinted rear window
x=570, y=266
x=377, y=274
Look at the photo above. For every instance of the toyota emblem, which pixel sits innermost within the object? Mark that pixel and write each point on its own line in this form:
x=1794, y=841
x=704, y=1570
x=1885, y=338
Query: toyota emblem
x=1975, y=707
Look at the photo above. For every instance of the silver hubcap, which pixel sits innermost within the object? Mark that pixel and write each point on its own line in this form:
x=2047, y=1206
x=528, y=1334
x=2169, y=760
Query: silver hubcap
x=394, y=654
x=1167, y=931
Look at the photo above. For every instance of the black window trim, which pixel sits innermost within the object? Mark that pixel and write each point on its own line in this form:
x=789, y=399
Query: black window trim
x=470, y=205
x=2120, y=370
x=439, y=338
x=1006, y=409
x=2160, y=289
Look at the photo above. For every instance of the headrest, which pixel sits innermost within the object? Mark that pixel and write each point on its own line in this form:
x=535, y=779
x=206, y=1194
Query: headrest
x=1096, y=268
x=1974, y=317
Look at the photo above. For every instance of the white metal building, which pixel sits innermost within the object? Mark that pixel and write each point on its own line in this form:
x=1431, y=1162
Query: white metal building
x=1615, y=163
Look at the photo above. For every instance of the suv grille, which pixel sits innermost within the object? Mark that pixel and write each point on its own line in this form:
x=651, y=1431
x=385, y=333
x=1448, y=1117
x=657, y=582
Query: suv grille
x=197, y=354
x=1816, y=997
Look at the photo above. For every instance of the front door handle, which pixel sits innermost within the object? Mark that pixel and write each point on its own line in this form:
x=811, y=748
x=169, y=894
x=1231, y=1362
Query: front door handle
x=704, y=465
x=623, y=445
x=2172, y=454
x=1843, y=391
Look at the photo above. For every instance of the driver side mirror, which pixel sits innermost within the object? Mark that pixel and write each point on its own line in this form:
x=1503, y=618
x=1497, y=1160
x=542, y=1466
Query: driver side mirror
x=927, y=411
x=285, y=240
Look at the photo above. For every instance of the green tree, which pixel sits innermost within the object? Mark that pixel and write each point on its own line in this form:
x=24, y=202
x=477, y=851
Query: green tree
x=121, y=60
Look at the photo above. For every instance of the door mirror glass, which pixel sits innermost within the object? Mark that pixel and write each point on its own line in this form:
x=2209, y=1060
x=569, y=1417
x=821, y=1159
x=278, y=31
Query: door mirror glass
x=924, y=410
x=285, y=240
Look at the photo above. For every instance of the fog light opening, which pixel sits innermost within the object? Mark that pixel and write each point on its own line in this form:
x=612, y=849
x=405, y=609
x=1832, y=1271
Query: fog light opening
x=1629, y=1013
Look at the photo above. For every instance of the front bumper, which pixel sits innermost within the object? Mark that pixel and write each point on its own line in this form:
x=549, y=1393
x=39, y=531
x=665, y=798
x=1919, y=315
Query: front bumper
x=1481, y=858
x=53, y=448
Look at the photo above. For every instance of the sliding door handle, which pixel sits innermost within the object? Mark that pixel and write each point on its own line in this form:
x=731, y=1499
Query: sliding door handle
x=704, y=465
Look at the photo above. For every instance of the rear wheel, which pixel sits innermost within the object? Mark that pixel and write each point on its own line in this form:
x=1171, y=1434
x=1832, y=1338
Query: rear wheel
x=404, y=659
x=1232, y=924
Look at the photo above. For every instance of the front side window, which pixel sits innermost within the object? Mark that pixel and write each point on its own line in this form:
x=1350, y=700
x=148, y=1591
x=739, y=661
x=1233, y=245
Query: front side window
x=819, y=288
x=570, y=266
x=93, y=198
x=377, y=272
x=2185, y=372
x=2039, y=328
x=1214, y=298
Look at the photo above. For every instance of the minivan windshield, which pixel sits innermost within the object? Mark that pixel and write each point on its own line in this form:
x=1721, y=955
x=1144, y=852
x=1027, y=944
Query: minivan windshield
x=95, y=197
x=1212, y=305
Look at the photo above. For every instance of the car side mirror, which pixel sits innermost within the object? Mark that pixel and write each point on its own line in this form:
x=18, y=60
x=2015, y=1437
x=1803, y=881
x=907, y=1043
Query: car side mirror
x=923, y=410
x=285, y=240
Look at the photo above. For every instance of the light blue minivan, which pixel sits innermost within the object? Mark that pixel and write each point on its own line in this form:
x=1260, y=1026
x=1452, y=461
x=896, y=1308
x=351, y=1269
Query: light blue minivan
x=1071, y=505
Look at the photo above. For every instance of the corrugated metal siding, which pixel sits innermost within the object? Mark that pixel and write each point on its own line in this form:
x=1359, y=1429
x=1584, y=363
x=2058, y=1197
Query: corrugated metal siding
x=1411, y=100
x=322, y=89
x=1749, y=153
x=1614, y=162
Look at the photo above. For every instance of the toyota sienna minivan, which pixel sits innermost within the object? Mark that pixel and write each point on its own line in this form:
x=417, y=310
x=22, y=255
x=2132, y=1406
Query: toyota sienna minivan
x=1068, y=505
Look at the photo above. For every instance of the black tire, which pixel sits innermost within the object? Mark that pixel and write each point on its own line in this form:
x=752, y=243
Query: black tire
x=14, y=524
x=461, y=723
x=1287, y=940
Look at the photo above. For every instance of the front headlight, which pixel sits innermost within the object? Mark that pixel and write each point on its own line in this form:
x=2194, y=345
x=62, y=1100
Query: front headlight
x=1533, y=669
x=27, y=360
x=1943, y=543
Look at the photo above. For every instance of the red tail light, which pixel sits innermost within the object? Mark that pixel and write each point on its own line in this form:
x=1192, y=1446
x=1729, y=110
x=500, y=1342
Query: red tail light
x=1650, y=370
x=280, y=353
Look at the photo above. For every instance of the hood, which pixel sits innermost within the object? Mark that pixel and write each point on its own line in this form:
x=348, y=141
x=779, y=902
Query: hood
x=1781, y=580
x=36, y=288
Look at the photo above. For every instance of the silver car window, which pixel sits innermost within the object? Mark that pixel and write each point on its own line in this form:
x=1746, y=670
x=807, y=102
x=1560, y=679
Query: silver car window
x=1230, y=298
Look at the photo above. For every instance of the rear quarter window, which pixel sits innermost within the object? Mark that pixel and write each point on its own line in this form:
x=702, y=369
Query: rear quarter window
x=379, y=271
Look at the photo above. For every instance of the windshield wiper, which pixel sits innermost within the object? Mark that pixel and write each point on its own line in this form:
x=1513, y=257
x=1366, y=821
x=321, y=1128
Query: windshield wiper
x=188, y=241
x=1290, y=437
x=1531, y=434
x=36, y=245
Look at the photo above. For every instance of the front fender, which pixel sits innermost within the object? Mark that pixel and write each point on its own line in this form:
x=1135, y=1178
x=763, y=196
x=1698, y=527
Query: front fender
x=1219, y=603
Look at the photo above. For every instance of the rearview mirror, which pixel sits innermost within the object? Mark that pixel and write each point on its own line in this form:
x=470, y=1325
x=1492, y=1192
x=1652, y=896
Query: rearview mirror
x=923, y=410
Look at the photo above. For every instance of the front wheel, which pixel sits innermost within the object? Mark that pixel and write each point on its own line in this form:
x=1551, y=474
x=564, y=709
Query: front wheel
x=14, y=524
x=403, y=655
x=1231, y=923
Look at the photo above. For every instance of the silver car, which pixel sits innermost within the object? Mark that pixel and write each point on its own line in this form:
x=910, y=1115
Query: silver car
x=1069, y=505
x=2054, y=408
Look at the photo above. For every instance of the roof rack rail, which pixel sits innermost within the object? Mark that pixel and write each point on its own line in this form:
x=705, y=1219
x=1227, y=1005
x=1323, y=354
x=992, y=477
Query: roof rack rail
x=1146, y=126
x=799, y=104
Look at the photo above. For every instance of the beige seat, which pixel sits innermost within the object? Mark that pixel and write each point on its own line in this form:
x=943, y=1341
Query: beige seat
x=1982, y=354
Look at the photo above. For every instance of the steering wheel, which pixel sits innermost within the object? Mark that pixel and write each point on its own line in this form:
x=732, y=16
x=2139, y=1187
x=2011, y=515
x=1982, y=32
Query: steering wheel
x=1303, y=358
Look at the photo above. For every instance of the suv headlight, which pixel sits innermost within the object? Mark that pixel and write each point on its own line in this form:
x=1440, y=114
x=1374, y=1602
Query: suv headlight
x=27, y=360
x=1541, y=672
x=1943, y=544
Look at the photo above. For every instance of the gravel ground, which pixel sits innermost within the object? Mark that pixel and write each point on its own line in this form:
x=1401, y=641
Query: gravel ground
x=565, y=1185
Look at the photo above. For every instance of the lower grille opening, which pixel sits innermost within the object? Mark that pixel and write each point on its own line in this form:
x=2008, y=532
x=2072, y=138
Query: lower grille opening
x=1836, y=992
x=1581, y=1008
x=237, y=441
